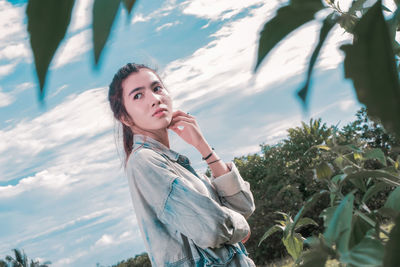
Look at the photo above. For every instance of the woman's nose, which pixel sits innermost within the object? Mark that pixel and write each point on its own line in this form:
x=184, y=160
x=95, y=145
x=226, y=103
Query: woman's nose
x=155, y=98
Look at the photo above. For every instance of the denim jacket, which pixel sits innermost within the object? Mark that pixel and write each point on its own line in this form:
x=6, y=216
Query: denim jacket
x=185, y=219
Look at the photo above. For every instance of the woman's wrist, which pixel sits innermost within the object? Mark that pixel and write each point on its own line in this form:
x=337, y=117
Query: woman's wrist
x=205, y=149
x=217, y=166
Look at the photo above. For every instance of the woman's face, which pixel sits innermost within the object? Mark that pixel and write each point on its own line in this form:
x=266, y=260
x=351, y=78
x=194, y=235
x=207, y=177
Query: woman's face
x=147, y=102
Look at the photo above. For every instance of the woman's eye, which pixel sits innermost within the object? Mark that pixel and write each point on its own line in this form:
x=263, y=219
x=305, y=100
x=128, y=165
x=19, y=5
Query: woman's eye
x=137, y=96
x=157, y=88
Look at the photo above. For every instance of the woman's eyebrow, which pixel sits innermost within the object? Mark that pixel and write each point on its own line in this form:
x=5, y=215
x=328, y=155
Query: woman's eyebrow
x=155, y=83
x=140, y=88
x=134, y=90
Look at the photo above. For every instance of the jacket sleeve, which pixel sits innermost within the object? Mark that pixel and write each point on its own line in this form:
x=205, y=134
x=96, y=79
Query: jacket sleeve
x=234, y=192
x=183, y=208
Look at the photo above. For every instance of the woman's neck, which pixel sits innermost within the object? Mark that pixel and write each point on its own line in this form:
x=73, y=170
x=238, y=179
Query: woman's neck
x=160, y=135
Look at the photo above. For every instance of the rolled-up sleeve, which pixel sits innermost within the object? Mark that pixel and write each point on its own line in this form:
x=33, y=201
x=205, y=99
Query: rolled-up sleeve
x=234, y=192
x=183, y=208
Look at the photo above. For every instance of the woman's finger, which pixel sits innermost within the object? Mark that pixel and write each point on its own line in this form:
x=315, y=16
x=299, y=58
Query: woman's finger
x=181, y=118
x=178, y=118
x=181, y=113
x=180, y=123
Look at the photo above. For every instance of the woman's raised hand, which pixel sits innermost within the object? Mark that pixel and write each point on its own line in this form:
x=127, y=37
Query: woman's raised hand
x=191, y=134
x=191, y=131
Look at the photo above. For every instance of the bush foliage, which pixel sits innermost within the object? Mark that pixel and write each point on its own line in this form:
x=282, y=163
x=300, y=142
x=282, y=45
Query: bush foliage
x=284, y=176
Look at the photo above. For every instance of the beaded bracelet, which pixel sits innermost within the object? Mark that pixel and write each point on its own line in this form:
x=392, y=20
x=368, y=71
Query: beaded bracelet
x=209, y=155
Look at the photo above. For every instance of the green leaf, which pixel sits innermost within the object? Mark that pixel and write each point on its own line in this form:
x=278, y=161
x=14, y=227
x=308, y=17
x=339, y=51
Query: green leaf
x=374, y=174
x=270, y=231
x=327, y=215
x=305, y=221
x=373, y=190
x=340, y=162
x=353, y=148
x=286, y=20
x=324, y=171
x=377, y=154
x=104, y=12
x=374, y=74
x=339, y=228
x=391, y=255
x=349, y=169
x=293, y=244
x=359, y=183
x=359, y=229
x=327, y=25
x=393, y=201
x=337, y=179
x=369, y=252
x=48, y=21
x=129, y=5
x=314, y=258
x=357, y=156
x=307, y=205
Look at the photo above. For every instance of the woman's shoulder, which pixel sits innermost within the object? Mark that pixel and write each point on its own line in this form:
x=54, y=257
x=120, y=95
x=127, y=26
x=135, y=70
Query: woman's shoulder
x=145, y=155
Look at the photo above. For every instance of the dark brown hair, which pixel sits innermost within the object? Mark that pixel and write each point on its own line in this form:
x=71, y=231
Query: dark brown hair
x=115, y=97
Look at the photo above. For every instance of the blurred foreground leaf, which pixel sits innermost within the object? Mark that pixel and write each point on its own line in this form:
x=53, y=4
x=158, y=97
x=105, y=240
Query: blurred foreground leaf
x=369, y=252
x=392, y=255
x=286, y=20
x=339, y=228
x=370, y=63
x=327, y=25
x=104, y=12
x=128, y=5
x=48, y=21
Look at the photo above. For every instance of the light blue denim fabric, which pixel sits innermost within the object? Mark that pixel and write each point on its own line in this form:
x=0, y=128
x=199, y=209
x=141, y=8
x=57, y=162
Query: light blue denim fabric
x=186, y=219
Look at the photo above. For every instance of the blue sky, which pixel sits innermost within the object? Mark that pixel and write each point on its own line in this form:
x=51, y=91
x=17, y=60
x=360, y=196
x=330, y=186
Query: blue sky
x=63, y=193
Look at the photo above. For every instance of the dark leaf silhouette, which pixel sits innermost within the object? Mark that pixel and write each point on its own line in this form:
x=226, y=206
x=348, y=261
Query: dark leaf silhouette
x=47, y=24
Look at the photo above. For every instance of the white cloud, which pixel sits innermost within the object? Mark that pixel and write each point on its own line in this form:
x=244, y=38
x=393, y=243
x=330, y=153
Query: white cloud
x=14, y=51
x=59, y=89
x=11, y=22
x=139, y=17
x=73, y=49
x=226, y=63
x=81, y=15
x=346, y=104
x=69, y=260
x=8, y=98
x=14, y=45
x=167, y=7
x=24, y=86
x=43, y=180
x=7, y=69
x=167, y=25
x=79, y=117
x=105, y=240
x=5, y=98
x=217, y=10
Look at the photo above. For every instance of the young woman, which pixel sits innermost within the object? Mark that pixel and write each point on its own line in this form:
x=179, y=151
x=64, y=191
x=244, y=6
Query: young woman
x=185, y=219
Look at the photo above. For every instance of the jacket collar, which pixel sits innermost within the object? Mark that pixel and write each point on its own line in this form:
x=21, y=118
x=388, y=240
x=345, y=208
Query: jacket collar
x=140, y=140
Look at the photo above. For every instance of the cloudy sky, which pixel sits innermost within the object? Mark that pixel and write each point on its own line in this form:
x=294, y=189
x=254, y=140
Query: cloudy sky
x=63, y=193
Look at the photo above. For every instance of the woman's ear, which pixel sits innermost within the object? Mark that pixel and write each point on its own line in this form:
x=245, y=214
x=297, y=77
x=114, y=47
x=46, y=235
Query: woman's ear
x=126, y=121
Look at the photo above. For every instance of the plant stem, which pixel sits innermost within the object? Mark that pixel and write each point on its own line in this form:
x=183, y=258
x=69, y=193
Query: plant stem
x=369, y=221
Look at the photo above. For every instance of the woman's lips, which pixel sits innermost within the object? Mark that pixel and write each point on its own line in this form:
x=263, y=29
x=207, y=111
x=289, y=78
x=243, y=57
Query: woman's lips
x=159, y=113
